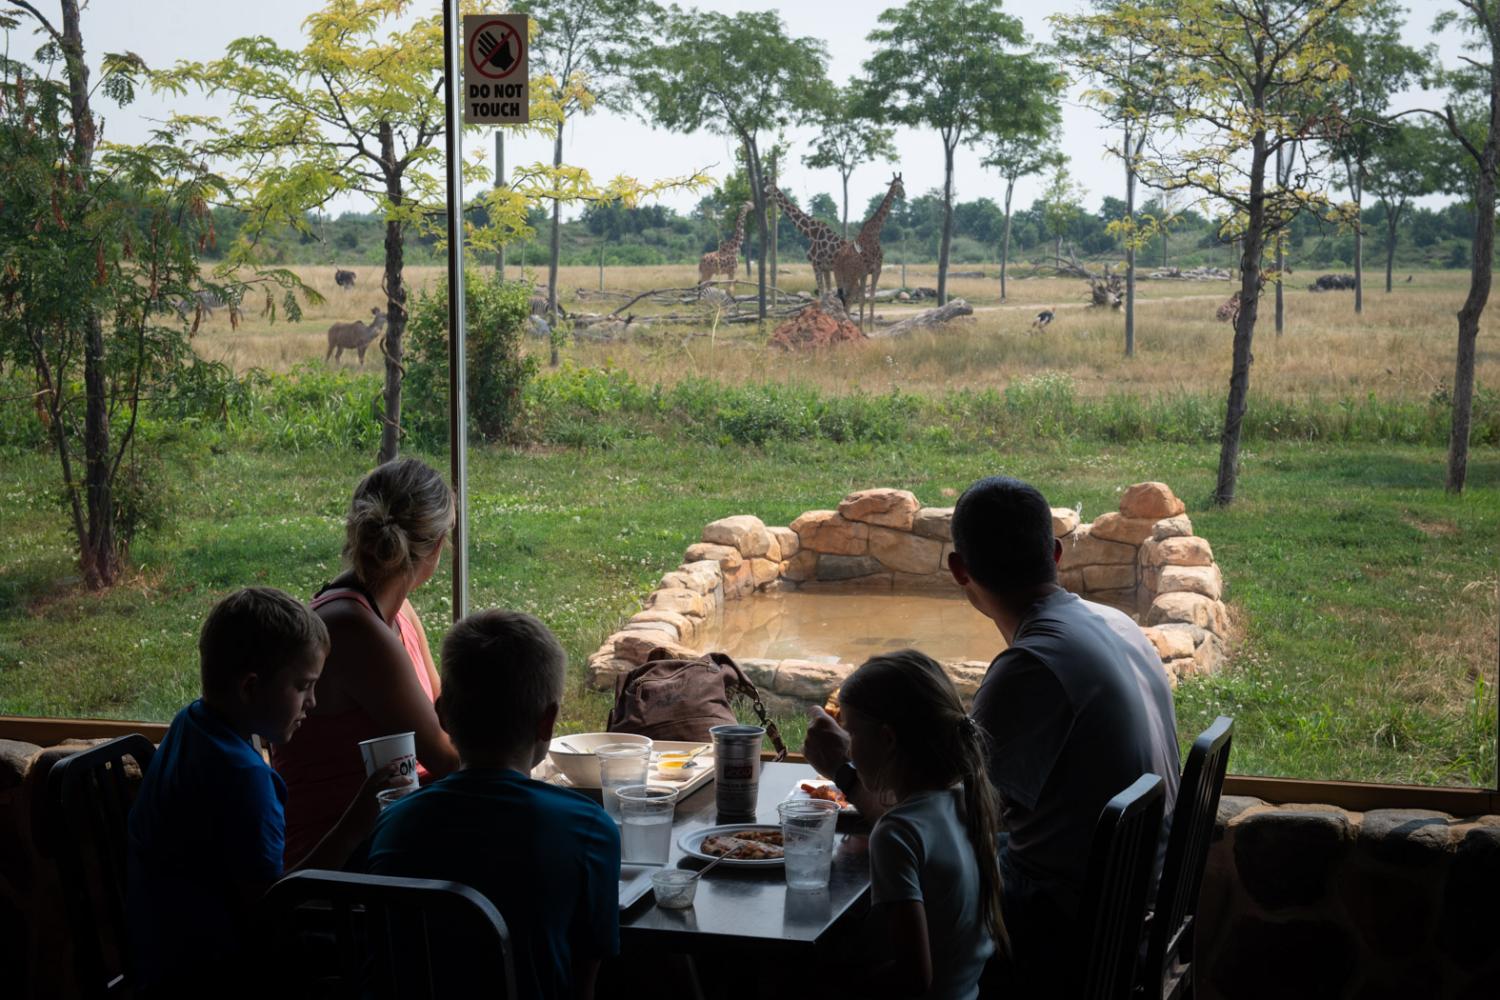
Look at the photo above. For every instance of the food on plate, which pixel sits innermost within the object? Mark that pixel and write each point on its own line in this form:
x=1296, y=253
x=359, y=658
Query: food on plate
x=830, y=793
x=746, y=845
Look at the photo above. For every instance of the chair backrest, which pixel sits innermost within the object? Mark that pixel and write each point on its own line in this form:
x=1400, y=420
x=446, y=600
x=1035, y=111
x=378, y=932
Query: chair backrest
x=341, y=935
x=1114, y=894
x=90, y=791
x=1193, y=818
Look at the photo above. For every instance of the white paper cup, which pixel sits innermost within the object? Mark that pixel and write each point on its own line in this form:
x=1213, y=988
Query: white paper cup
x=399, y=748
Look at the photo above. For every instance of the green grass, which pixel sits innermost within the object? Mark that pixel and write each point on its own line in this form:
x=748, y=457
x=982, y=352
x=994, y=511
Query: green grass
x=1365, y=596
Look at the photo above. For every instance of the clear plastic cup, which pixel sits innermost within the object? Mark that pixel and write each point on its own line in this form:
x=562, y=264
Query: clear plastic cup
x=388, y=797
x=646, y=823
x=807, y=841
x=620, y=764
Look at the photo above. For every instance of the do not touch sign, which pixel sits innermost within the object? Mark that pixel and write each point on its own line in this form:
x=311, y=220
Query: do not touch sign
x=496, y=88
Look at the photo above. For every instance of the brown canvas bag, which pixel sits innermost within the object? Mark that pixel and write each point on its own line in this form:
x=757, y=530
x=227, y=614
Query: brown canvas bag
x=673, y=699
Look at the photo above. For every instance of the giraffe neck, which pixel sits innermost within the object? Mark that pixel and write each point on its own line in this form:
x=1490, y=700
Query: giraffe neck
x=869, y=233
x=739, y=227
x=805, y=223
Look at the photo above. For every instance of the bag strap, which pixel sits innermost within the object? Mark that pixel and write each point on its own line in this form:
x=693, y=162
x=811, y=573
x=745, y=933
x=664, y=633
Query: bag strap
x=747, y=686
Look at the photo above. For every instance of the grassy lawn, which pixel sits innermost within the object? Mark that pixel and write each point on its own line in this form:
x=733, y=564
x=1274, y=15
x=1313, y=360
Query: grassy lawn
x=1365, y=597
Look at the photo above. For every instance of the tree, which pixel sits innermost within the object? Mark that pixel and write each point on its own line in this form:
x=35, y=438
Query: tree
x=953, y=65
x=94, y=245
x=1477, y=130
x=354, y=110
x=735, y=75
x=1403, y=168
x=1015, y=156
x=1369, y=43
x=1242, y=79
x=574, y=50
x=1060, y=206
x=846, y=141
x=1127, y=79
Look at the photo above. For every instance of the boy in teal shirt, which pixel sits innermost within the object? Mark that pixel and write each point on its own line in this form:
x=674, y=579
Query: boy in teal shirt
x=207, y=831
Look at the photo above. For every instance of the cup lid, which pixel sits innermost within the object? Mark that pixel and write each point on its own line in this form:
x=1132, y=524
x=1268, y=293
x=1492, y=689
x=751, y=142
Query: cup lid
x=736, y=732
x=646, y=793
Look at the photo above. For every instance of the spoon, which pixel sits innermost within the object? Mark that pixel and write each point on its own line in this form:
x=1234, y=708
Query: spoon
x=689, y=761
x=723, y=857
x=570, y=747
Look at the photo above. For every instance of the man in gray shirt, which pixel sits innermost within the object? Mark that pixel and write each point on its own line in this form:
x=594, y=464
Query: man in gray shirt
x=1076, y=708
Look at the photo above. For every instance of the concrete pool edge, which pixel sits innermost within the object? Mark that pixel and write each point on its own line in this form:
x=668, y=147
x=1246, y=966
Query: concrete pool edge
x=1142, y=558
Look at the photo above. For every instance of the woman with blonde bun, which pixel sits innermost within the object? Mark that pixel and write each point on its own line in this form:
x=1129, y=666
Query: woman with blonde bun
x=379, y=678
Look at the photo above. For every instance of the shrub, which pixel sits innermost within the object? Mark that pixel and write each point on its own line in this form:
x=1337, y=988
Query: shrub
x=497, y=313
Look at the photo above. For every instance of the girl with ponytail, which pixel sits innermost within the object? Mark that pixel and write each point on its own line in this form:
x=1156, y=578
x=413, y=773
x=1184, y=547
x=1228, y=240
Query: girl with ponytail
x=933, y=861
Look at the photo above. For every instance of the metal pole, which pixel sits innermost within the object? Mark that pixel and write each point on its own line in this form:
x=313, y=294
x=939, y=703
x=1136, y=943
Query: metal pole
x=458, y=401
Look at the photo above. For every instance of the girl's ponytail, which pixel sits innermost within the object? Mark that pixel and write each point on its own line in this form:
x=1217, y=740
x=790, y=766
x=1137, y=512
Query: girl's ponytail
x=982, y=824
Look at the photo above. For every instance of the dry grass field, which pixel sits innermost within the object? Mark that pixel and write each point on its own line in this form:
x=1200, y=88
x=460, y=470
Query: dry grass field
x=1401, y=347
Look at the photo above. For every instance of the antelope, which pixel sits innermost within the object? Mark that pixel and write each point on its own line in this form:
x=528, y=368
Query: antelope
x=355, y=336
x=344, y=279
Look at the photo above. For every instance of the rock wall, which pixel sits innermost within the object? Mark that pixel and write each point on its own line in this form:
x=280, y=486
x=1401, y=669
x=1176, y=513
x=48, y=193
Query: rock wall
x=1315, y=901
x=1142, y=558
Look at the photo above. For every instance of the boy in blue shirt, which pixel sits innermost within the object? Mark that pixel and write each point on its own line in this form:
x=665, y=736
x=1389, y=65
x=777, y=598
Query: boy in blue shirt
x=547, y=858
x=207, y=829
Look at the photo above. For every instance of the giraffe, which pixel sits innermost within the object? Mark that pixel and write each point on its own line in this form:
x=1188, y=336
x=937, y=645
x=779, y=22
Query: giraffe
x=825, y=244
x=867, y=247
x=725, y=260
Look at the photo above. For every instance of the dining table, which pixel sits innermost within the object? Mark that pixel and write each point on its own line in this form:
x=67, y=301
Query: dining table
x=740, y=909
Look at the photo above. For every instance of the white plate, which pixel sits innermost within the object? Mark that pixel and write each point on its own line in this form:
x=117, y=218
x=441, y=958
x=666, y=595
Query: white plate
x=847, y=809
x=691, y=841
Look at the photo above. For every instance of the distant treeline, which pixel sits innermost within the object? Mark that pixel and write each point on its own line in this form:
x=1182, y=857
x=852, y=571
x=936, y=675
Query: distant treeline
x=654, y=235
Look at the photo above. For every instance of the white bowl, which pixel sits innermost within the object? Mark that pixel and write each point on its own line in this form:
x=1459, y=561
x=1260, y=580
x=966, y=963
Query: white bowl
x=582, y=768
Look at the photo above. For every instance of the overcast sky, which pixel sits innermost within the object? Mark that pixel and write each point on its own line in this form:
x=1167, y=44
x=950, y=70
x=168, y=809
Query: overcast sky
x=163, y=31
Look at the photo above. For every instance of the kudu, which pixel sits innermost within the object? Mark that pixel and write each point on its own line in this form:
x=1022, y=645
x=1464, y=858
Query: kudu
x=355, y=336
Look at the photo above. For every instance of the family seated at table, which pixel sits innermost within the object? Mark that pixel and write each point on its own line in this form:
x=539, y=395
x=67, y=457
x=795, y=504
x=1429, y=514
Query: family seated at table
x=1075, y=709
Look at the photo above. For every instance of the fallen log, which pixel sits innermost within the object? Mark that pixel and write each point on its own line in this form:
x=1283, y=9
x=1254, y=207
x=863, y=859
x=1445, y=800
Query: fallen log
x=926, y=320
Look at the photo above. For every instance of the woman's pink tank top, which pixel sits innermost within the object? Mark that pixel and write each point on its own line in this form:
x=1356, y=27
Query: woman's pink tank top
x=322, y=766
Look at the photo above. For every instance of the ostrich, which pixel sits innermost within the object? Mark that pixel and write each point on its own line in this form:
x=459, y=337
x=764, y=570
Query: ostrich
x=1042, y=319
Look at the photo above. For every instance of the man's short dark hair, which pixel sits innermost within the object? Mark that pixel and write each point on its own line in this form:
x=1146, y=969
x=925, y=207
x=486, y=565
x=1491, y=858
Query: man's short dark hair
x=1002, y=528
x=257, y=630
x=501, y=669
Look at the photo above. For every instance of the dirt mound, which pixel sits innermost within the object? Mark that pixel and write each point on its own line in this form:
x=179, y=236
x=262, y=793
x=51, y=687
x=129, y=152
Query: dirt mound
x=819, y=325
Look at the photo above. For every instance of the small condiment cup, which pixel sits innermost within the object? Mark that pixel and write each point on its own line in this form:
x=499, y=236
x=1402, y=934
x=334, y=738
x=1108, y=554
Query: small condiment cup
x=674, y=888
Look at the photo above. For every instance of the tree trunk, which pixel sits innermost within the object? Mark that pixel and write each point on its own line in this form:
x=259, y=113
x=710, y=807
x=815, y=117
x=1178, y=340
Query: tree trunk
x=601, y=262
x=99, y=558
x=947, y=241
x=395, y=305
x=1244, y=327
x=556, y=250
x=1129, y=247
x=758, y=199
x=1359, y=253
x=1010, y=187
x=1481, y=272
x=771, y=263
x=846, y=206
x=1280, y=259
x=1392, y=220
x=1163, y=246
x=500, y=183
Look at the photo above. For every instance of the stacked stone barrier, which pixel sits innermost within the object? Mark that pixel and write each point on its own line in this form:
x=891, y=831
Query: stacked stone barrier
x=1142, y=558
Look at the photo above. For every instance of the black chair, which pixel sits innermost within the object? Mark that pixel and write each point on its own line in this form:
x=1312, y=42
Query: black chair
x=92, y=799
x=340, y=935
x=1114, y=893
x=1167, y=972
